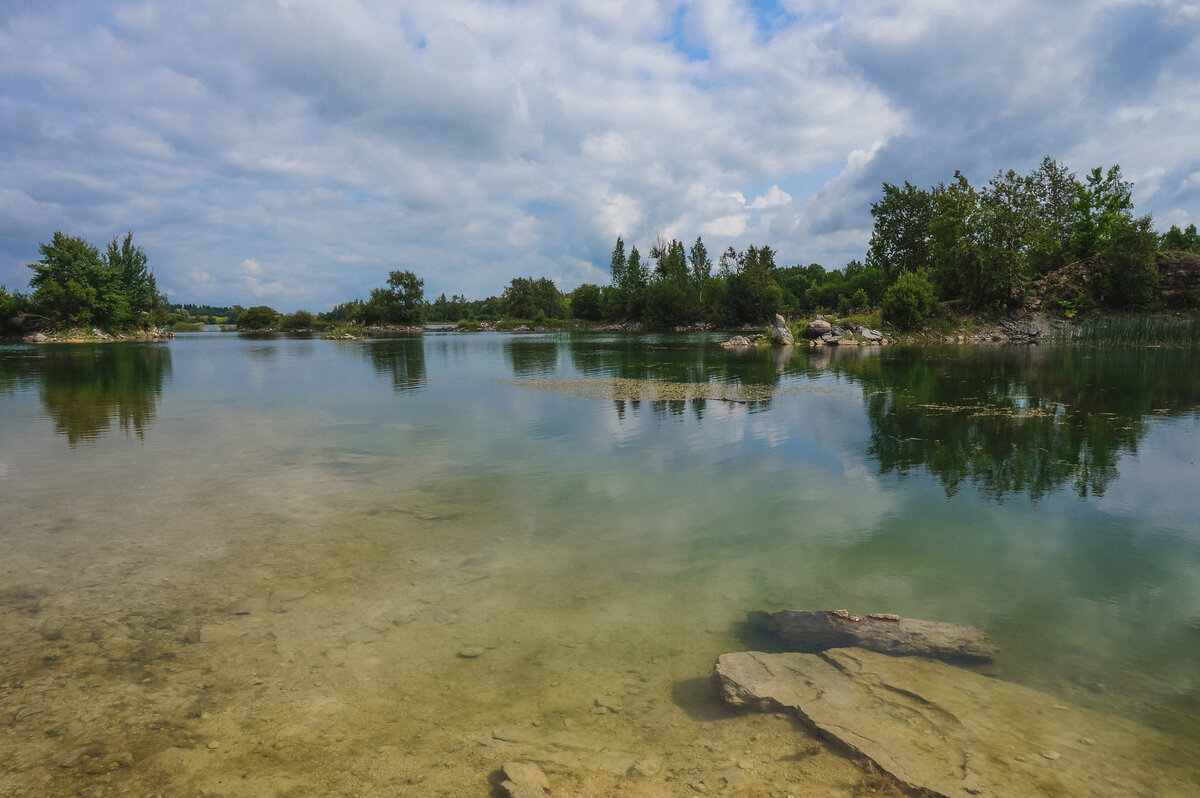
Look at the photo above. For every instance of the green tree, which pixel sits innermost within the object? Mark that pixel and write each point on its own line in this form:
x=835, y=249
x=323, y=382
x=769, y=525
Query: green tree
x=402, y=302
x=135, y=287
x=527, y=298
x=1129, y=273
x=1176, y=240
x=259, y=317
x=300, y=320
x=66, y=281
x=585, y=302
x=617, y=264
x=979, y=240
x=633, y=288
x=701, y=264
x=1100, y=205
x=910, y=300
x=752, y=294
x=11, y=311
x=1054, y=186
x=670, y=261
x=899, y=240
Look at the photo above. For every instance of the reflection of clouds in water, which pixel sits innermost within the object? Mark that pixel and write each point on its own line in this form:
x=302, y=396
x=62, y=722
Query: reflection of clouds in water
x=1160, y=481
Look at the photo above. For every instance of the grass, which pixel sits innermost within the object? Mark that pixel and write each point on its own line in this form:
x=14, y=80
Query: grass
x=1136, y=330
x=341, y=329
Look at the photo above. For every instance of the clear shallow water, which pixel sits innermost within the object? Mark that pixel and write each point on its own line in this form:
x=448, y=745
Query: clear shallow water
x=381, y=508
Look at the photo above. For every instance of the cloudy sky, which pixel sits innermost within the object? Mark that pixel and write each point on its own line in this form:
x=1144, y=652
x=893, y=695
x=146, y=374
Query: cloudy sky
x=293, y=152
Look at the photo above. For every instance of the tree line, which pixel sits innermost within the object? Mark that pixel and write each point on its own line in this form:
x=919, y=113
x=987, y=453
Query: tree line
x=976, y=249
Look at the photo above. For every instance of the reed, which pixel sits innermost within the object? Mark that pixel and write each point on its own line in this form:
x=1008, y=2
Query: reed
x=1136, y=330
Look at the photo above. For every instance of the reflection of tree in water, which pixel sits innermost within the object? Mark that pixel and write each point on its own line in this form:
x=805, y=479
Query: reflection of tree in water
x=1019, y=420
x=679, y=359
x=532, y=357
x=403, y=358
x=84, y=387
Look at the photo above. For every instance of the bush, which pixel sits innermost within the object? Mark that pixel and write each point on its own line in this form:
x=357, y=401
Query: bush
x=910, y=300
x=300, y=320
x=259, y=317
x=585, y=302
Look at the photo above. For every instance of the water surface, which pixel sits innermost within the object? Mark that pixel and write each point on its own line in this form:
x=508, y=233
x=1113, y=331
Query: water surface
x=282, y=566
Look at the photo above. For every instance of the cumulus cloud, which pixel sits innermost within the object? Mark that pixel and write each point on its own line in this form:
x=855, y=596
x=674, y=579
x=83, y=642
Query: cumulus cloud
x=472, y=141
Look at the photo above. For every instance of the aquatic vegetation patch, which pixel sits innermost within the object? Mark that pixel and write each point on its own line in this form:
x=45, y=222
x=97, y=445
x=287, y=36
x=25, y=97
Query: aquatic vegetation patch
x=655, y=390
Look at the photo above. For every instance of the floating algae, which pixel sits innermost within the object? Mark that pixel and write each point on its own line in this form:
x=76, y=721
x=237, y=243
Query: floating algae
x=654, y=390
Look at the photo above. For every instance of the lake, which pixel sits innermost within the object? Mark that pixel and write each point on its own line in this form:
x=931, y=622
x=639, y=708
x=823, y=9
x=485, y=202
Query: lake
x=277, y=566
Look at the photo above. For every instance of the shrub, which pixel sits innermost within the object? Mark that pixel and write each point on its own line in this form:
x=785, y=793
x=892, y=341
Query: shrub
x=300, y=320
x=259, y=317
x=910, y=300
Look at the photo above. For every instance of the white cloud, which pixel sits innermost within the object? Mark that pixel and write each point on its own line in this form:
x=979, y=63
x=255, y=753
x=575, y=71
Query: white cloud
x=726, y=226
x=772, y=199
x=475, y=141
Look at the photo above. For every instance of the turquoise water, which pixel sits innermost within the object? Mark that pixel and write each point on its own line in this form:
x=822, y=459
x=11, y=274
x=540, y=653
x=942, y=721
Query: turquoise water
x=495, y=530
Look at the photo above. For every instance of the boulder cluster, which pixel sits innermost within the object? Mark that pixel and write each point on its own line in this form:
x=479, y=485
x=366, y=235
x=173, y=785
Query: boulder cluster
x=821, y=332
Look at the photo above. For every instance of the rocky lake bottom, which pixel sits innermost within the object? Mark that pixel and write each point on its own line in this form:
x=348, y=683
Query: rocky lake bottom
x=275, y=572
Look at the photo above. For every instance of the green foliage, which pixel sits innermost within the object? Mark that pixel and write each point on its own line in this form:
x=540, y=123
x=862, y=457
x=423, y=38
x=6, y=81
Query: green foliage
x=1101, y=205
x=452, y=309
x=300, y=320
x=617, y=264
x=1129, y=274
x=667, y=304
x=670, y=261
x=899, y=240
x=751, y=293
x=795, y=281
x=585, y=302
x=1137, y=330
x=74, y=285
x=1176, y=240
x=1054, y=189
x=701, y=264
x=343, y=329
x=402, y=302
x=979, y=240
x=259, y=317
x=910, y=300
x=527, y=298
x=11, y=311
x=67, y=280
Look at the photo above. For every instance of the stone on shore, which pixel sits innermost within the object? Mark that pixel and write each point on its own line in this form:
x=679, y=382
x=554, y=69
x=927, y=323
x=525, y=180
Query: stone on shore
x=780, y=334
x=884, y=632
x=947, y=731
x=817, y=327
x=737, y=341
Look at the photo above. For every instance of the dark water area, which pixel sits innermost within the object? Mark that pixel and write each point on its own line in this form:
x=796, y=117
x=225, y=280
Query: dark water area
x=568, y=509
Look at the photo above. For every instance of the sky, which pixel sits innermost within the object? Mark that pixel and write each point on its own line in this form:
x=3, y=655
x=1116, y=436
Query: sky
x=293, y=153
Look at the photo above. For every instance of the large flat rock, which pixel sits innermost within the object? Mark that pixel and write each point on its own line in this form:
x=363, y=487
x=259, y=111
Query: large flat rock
x=953, y=732
x=890, y=634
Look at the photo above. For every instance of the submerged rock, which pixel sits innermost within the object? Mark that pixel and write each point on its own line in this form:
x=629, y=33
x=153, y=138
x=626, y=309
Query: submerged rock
x=884, y=632
x=736, y=341
x=524, y=780
x=948, y=731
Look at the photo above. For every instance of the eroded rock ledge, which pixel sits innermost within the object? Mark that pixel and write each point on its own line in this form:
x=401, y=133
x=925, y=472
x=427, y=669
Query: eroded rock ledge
x=947, y=731
x=884, y=632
